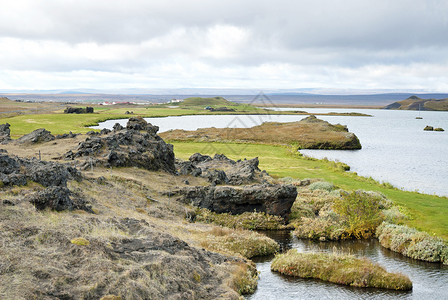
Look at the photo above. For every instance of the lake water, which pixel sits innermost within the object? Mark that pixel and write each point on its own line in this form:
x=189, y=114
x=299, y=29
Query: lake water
x=430, y=280
x=395, y=148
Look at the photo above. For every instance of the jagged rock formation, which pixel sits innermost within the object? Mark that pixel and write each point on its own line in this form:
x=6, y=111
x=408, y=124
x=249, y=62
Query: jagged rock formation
x=5, y=133
x=273, y=199
x=222, y=170
x=53, y=176
x=37, y=136
x=17, y=171
x=137, y=145
x=58, y=198
x=309, y=133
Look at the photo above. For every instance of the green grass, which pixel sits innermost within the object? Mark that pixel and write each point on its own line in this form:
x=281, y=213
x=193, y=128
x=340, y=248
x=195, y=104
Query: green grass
x=427, y=212
x=339, y=268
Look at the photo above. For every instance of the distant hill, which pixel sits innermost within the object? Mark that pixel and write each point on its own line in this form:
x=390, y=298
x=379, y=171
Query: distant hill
x=199, y=101
x=416, y=103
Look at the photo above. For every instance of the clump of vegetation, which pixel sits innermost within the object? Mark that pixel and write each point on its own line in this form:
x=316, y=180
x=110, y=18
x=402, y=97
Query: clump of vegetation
x=245, y=279
x=246, y=243
x=313, y=216
x=412, y=243
x=339, y=268
x=321, y=185
x=80, y=241
x=247, y=220
x=360, y=212
x=394, y=215
x=333, y=215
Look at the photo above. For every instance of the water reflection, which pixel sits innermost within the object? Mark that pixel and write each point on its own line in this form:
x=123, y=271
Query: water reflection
x=430, y=280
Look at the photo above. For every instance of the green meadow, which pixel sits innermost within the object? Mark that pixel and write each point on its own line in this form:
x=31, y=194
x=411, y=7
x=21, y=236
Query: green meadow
x=427, y=212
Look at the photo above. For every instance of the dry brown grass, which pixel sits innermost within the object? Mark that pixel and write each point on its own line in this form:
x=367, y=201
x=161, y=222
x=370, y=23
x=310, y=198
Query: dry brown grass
x=305, y=135
x=47, y=251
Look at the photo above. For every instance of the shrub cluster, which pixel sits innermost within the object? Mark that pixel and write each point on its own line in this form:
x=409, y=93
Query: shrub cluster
x=360, y=212
x=339, y=268
x=247, y=220
x=246, y=243
x=245, y=279
x=412, y=243
x=325, y=214
x=321, y=185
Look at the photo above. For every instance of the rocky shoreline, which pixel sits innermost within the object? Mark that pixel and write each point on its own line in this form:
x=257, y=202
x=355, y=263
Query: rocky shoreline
x=101, y=221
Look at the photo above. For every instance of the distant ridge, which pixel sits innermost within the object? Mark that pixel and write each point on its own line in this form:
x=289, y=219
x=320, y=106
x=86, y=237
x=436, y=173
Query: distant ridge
x=417, y=103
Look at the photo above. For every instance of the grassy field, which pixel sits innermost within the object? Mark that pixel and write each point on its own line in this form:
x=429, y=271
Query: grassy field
x=26, y=117
x=428, y=212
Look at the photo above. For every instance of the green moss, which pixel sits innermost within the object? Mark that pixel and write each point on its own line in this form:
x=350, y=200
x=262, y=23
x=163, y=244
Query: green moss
x=80, y=241
x=339, y=268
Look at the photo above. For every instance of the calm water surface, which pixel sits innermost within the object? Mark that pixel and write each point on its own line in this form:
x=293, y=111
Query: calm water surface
x=430, y=281
x=395, y=147
x=396, y=150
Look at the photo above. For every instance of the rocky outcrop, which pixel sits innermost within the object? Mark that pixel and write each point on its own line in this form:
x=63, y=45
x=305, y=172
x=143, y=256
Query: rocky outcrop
x=78, y=110
x=53, y=176
x=37, y=136
x=5, y=133
x=17, y=171
x=137, y=145
x=273, y=199
x=69, y=135
x=58, y=198
x=222, y=170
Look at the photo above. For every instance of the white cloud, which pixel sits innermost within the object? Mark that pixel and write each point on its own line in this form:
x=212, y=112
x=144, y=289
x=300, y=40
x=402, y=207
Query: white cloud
x=281, y=44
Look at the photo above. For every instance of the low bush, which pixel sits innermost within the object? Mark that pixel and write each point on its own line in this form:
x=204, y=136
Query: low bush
x=245, y=279
x=246, y=243
x=360, y=212
x=321, y=185
x=339, y=268
x=412, y=243
x=247, y=220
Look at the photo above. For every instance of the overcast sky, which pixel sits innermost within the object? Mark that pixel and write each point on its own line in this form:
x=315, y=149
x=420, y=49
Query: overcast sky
x=103, y=44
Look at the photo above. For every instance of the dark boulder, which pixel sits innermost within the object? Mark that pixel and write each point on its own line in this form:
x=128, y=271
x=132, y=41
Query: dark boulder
x=117, y=127
x=137, y=145
x=187, y=168
x=78, y=110
x=58, y=198
x=273, y=199
x=5, y=133
x=222, y=170
x=17, y=171
x=69, y=135
x=37, y=136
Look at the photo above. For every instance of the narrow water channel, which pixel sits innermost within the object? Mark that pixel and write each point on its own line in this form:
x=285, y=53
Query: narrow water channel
x=430, y=280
